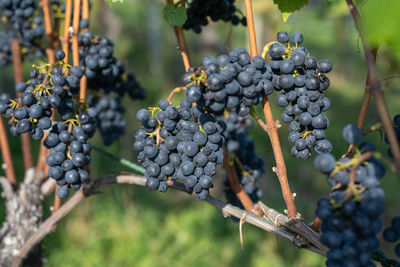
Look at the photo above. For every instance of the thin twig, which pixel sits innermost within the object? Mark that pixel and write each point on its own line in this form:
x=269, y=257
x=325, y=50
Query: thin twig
x=251, y=28
x=75, y=26
x=57, y=201
x=51, y=40
x=67, y=24
x=271, y=124
x=316, y=224
x=365, y=103
x=353, y=171
x=174, y=92
x=182, y=48
x=26, y=144
x=236, y=186
x=83, y=83
x=7, y=164
x=85, y=12
x=227, y=210
x=376, y=89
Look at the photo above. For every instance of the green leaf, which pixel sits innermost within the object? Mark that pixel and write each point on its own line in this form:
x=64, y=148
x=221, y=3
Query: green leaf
x=288, y=7
x=111, y=2
x=175, y=16
x=381, y=24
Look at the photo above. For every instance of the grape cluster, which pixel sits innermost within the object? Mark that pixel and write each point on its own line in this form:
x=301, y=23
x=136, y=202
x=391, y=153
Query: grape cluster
x=179, y=143
x=232, y=82
x=108, y=112
x=70, y=153
x=224, y=10
x=104, y=72
x=396, y=128
x=301, y=79
x=26, y=27
x=248, y=166
x=53, y=87
x=351, y=215
x=107, y=83
x=49, y=87
x=5, y=47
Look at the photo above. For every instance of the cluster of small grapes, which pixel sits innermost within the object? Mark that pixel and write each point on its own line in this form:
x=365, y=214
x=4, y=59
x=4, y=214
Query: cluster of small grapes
x=44, y=91
x=5, y=47
x=54, y=87
x=107, y=84
x=179, y=143
x=392, y=234
x=396, y=128
x=350, y=217
x=249, y=167
x=303, y=80
x=233, y=82
x=108, y=112
x=224, y=10
x=28, y=28
x=70, y=153
x=104, y=72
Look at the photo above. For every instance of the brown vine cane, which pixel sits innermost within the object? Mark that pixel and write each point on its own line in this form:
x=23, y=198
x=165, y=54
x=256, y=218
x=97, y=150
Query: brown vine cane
x=26, y=144
x=376, y=89
x=271, y=125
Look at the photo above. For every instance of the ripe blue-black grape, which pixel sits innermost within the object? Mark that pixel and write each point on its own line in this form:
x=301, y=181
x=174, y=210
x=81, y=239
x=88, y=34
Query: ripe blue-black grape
x=352, y=134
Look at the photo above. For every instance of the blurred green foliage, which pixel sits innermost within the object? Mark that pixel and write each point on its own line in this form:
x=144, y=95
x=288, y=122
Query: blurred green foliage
x=131, y=226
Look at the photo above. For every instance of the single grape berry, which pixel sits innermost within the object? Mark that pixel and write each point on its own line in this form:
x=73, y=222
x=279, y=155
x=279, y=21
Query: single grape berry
x=282, y=37
x=325, y=163
x=352, y=134
x=62, y=191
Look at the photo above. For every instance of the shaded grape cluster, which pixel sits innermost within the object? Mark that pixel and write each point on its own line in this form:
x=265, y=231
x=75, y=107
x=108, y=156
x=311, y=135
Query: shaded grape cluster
x=301, y=80
x=24, y=25
x=232, y=82
x=248, y=165
x=70, y=153
x=179, y=143
x=50, y=87
x=199, y=11
x=105, y=73
x=54, y=87
x=107, y=83
x=109, y=115
x=351, y=215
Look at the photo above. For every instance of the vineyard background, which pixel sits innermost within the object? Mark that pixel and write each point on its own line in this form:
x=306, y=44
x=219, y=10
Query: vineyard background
x=129, y=225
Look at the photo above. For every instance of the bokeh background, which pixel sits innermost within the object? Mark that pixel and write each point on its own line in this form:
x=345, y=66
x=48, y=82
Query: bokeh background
x=131, y=226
